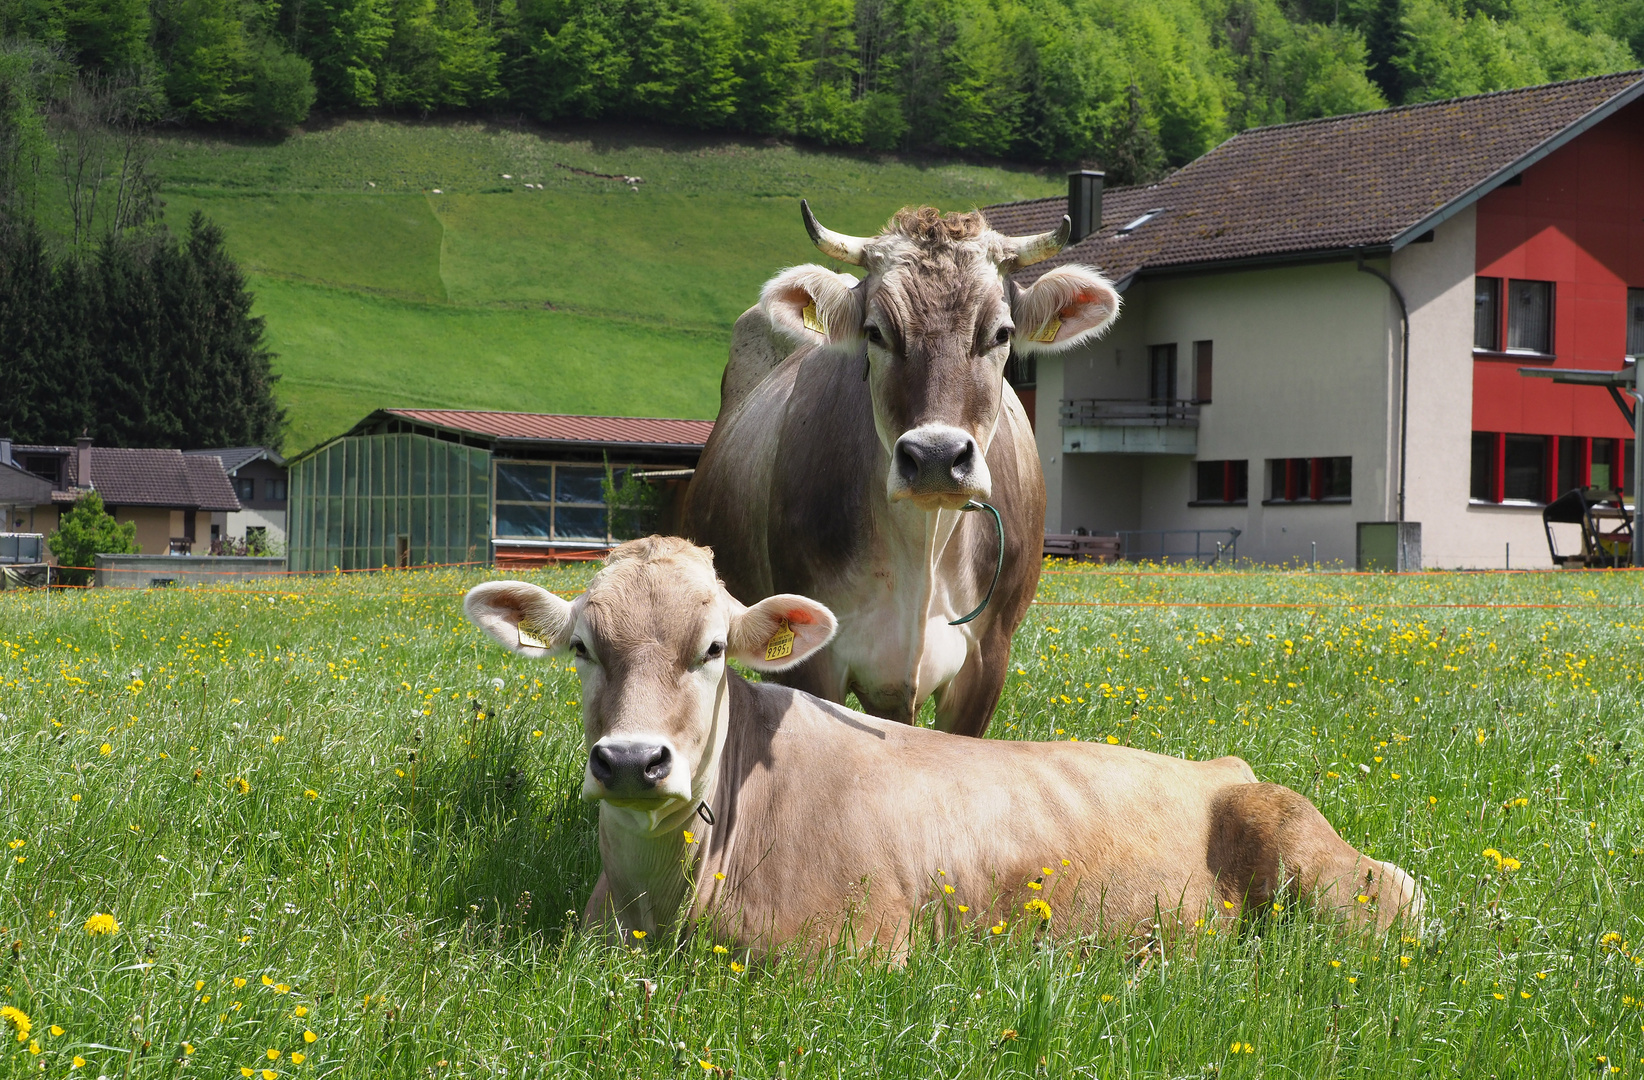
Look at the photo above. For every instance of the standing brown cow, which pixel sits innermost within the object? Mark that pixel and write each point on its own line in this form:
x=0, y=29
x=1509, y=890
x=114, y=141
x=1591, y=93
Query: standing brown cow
x=858, y=420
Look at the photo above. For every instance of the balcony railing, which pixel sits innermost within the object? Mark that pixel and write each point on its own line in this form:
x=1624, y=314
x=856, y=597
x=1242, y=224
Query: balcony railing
x=1129, y=412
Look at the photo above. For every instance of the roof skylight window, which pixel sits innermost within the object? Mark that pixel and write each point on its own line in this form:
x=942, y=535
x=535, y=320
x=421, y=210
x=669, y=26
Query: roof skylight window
x=1137, y=223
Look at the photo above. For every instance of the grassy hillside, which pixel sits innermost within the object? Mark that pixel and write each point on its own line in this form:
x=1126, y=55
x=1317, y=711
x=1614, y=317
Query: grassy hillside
x=408, y=263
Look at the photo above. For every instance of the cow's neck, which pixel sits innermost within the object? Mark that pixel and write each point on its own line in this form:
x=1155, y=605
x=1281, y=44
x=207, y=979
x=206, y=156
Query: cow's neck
x=650, y=863
x=916, y=542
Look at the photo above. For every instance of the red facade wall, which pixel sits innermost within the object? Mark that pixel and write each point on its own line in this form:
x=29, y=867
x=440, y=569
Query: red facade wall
x=1576, y=220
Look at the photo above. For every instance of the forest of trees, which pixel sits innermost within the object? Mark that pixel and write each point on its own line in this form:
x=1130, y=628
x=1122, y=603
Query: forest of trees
x=1136, y=85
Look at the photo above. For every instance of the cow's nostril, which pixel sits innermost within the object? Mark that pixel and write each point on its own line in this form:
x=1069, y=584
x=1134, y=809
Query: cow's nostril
x=907, y=464
x=599, y=763
x=659, y=764
x=962, y=460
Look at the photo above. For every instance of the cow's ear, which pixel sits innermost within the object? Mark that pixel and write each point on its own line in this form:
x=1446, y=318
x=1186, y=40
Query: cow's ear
x=522, y=617
x=780, y=632
x=812, y=304
x=1068, y=306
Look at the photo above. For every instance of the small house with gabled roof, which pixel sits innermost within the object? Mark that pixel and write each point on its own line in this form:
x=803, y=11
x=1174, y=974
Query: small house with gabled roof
x=1324, y=323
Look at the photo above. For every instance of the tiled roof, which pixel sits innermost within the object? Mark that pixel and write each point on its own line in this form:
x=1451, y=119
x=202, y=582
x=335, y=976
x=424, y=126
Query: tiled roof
x=1345, y=182
x=235, y=456
x=150, y=477
x=630, y=430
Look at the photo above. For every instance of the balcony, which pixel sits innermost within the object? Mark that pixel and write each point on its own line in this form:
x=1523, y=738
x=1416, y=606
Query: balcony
x=1129, y=426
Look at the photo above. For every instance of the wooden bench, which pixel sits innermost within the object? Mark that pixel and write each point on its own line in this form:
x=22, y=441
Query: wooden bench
x=1102, y=549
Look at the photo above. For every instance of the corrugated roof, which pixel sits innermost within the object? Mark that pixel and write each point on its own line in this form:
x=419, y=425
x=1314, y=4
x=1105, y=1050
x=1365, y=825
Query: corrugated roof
x=550, y=427
x=1344, y=182
x=126, y=476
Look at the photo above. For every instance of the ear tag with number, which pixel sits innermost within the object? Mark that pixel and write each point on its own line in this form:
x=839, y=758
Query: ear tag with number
x=812, y=320
x=1047, y=332
x=781, y=643
x=528, y=635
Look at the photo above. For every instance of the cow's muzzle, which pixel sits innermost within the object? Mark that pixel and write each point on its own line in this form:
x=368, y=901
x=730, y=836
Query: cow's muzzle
x=938, y=465
x=629, y=768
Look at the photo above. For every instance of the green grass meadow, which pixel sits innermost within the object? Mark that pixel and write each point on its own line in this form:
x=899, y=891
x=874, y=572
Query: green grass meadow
x=586, y=296
x=332, y=821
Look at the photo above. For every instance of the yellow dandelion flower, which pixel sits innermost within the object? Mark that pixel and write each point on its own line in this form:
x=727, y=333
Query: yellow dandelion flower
x=738, y=968
x=1034, y=885
x=238, y=983
x=188, y=1048
x=639, y=935
x=298, y=1057
x=241, y=785
x=300, y=1011
x=947, y=889
x=690, y=837
x=79, y=1062
x=270, y=1074
x=267, y=981
x=1007, y=1035
x=18, y=1020
x=102, y=924
x=199, y=984
x=309, y=1036
x=55, y=1030
x=721, y=950
x=964, y=907
x=1039, y=907
x=311, y=793
x=246, y=1070
x=281, y=988
x=105, y=750
x=272, y=1054
x=719, y=876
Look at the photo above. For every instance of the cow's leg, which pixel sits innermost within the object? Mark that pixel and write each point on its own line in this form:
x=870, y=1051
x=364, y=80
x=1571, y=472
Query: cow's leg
x=1267, y=841
x=600, y=914
x=965, y=706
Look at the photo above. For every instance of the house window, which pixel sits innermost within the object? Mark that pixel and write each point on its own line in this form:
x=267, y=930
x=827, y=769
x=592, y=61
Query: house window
x=245, y=488
x=1483, y=486
x=46, y=466
x=1224, y=482
x=275, y=490
x=1530, y=316
x=1201, y=371
x=1601, y=467
x=1487, y=314
x=1572, y=453
x=1524, y=469
x=1635, y=322
x=1309, y=480
x=552, y=502
x=1161, y=372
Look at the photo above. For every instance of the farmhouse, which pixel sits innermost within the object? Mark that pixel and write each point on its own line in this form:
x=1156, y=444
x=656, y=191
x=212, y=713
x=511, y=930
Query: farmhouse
x=1286, y=294
x=259, y=478
x=407, y=487
x=176, y=500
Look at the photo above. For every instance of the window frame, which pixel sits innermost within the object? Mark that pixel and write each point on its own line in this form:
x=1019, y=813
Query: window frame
x=1164, y=357
x=1507, y=315
x=553, y=503
x=1203, y=371
x=1235, y=476
x=1494, y=344
x=1634, y=296
x=1303, y=481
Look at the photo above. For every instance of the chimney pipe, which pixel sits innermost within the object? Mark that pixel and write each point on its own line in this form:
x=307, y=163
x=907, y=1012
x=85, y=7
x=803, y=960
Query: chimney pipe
x=5, y=452
x=1084, y=202
x=82, y=462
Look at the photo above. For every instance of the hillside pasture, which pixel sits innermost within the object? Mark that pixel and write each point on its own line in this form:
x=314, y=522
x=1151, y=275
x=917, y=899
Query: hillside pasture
x=603, y=280
x=340, y=834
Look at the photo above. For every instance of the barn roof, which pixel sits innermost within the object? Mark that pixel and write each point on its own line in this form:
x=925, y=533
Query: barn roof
x=1370, y=182
x=527, y=431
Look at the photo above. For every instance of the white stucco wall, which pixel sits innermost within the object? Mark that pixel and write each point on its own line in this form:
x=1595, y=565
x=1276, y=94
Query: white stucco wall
x=1303, y=367
x=272, y=520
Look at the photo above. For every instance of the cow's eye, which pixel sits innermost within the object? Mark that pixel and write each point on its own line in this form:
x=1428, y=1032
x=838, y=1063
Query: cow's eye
x=715, y=651
x=578, y=649
x=874, y=335
x=1002, y=336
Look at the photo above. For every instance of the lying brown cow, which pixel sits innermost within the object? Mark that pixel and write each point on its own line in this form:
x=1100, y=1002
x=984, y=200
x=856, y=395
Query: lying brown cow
x=827, y=824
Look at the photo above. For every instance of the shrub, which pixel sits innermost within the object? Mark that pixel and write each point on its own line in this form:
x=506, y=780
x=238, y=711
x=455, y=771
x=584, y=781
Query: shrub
x=87, y=531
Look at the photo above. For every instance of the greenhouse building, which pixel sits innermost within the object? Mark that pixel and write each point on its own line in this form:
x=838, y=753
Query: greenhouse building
x=417, y=487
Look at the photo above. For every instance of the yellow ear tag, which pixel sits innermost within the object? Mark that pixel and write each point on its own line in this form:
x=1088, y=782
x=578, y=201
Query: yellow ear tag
x=781, y=643
x=528, y=636
x=812, y=320
x=1047, y=332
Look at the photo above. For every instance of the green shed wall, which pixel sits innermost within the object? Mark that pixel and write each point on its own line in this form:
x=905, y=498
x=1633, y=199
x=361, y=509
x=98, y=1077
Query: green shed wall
x=351, y=500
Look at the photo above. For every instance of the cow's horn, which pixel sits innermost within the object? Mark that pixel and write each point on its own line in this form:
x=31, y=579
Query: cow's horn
x=836, y=245
x=1032, y=249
